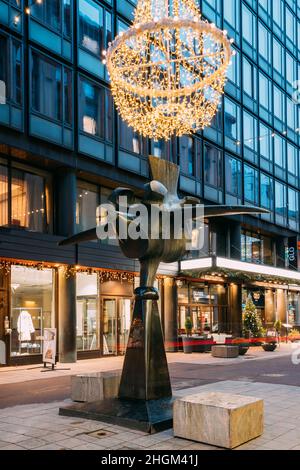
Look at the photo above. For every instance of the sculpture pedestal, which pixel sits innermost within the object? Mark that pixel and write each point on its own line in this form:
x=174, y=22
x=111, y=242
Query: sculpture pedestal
x=149, y=416
x=145, y=394
x=95, y=386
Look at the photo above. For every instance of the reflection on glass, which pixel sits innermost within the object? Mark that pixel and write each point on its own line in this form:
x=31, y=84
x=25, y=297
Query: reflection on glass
x=86, y=206
x=46, y=87
x=47, y=11
x=124, y=324
x=91, y=26
x=28, y=201
x=109, y=326
x=3, y=196
x=87, y=312
x=91, y=108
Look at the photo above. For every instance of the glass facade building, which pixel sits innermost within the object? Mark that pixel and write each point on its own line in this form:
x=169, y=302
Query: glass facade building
x=63, y=148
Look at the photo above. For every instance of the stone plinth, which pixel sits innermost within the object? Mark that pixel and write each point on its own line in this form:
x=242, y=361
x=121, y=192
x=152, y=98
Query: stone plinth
x=225, y=351
x=218, y=419
x=95, y=386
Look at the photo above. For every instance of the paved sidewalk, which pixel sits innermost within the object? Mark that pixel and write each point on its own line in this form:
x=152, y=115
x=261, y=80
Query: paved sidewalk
x=40, y=427
x=10, y=375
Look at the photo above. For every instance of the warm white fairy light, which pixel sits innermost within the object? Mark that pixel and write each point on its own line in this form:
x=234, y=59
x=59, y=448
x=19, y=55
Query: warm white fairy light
x=168, y=70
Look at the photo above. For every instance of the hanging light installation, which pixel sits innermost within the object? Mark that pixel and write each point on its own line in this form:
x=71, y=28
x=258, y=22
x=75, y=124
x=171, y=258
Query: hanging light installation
x=168, y=70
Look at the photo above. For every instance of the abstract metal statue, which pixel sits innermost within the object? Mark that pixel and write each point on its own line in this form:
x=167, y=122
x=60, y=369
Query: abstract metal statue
x=145, y=374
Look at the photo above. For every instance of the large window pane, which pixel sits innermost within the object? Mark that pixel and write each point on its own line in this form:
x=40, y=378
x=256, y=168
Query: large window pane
x=265, y=97
x=3, y=196
x=251, y=185
x=249, y=32
x=249, y=82
x=10, y=71
x=280, y=156
x=280, y=203
x=28, y=201
x=278, y=62
x=46, y=87
x=279, y=109
x=213, y=173
x=87, y=314
x=232, y=120
x=233, y=180
x=250, y=137
x=32, y=308
x=266, y=147
x=187, y=155
x=130, y=140
x=292, y=161
x=86, y=206
x=47, y=11
x=266, y=192
x=67, y=18
x=91, y=26
x=16, y=85
x=264, y=43
x=4, y=70
x=91, y=108
x=293, y=208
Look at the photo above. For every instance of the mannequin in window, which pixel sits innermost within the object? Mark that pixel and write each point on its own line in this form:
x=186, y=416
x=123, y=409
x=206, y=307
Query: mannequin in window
x=25, y=326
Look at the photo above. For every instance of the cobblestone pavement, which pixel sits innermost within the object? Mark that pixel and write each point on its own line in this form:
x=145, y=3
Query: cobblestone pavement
x=38, y=426
x=30, y=399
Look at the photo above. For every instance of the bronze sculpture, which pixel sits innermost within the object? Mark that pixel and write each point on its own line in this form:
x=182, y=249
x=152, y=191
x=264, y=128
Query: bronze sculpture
x=145, y=374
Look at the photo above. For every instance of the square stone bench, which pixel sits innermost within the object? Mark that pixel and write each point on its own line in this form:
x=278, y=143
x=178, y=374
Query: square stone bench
x=95, y=386
x=225, y=351
x=218, y=419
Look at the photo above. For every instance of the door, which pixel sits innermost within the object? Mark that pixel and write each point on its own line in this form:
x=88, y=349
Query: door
x=109, y=326
x=115, y=324
x=124, y=319
x=87, y=324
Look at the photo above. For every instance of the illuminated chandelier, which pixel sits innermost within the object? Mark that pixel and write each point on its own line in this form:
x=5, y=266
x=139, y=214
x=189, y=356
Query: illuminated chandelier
x=168, y=70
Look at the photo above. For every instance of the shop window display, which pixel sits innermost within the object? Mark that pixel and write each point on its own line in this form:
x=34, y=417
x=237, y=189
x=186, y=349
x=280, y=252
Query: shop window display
x=87, y=312
x=32, y=308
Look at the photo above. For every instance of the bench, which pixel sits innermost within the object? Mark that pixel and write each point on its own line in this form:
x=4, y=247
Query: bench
x=218, y=419
x=95, y=386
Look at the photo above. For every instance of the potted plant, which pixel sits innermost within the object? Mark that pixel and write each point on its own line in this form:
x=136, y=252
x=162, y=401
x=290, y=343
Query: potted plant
x=294, y=335
x=270, y=341
x=186, y=339
x=243, y=345
x=252, y=323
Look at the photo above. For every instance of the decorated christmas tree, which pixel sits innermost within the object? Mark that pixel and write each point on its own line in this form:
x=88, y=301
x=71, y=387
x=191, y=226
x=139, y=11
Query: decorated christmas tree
x=252, y=322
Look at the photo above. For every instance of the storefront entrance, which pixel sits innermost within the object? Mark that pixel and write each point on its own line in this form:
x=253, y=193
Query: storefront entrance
x=116, y=320
x=205, y=304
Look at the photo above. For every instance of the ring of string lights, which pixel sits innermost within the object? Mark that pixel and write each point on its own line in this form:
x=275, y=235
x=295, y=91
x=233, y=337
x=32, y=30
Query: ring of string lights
x=168, y=71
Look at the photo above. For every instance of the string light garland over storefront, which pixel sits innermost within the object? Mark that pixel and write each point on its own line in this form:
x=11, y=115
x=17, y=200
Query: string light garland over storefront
x=69, y=271
x=168, y=70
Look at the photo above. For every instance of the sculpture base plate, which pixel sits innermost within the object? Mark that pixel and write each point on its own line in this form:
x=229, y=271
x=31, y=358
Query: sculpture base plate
x=149, y=416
